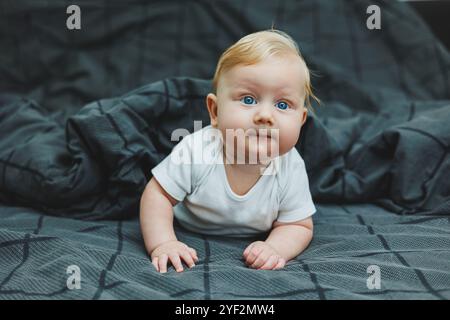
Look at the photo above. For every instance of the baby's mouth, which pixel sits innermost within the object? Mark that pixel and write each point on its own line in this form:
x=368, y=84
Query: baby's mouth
x=261, y=136
x=264, y=133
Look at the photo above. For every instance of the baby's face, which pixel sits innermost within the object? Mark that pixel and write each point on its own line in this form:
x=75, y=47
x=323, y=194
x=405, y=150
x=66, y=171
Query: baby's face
x=267, y=95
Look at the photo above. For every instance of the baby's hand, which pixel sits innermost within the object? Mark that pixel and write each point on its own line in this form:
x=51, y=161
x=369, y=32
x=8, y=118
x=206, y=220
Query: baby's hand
x=173, y=250
x=260, y=255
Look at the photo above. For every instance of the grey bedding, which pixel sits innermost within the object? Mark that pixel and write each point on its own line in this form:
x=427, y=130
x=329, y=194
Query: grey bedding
x=78, y=141
x=411, y=252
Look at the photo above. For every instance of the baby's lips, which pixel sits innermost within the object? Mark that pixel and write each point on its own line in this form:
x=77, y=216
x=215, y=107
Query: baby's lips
x=260, y=135
x=264, y=133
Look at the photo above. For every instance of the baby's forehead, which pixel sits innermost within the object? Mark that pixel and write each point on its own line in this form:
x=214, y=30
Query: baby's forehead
x=255, y=83
x=289, y=76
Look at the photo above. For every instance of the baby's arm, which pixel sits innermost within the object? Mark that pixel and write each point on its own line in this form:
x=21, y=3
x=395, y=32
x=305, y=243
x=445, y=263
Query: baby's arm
x=285, y=242
x=290, y=239
x=156, y=217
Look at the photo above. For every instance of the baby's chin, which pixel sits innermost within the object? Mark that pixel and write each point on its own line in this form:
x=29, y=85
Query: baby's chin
x=253, y=150
x=261, y=152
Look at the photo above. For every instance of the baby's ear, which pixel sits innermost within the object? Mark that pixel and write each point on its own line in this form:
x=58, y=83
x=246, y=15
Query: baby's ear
x=304, y=115
x=211, y=104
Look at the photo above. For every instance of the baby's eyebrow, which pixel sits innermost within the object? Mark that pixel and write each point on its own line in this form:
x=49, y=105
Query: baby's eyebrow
x=249, y=84
x=245, y=84
x=282, y=93
x=252, y=85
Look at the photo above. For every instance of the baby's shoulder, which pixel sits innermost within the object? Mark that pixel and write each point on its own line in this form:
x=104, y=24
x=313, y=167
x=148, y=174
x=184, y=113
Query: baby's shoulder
x=200, y=144
x=291, y=160
x=203, y=149
x=288, y=165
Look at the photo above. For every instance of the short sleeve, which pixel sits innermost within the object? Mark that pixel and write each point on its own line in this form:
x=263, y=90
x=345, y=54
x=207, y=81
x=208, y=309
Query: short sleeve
x=175, y=172
x=295, y=199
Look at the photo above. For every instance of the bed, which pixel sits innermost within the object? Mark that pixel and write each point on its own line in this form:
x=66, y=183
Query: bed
x=85, y=114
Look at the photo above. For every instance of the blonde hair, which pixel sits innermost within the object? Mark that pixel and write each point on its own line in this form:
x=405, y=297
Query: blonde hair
x=257, y=46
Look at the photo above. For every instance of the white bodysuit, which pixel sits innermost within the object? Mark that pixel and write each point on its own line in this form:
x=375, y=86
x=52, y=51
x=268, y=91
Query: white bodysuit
x=194, y=174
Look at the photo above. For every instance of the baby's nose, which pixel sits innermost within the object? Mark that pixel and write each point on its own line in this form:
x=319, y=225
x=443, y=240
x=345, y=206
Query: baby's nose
x=264, y=115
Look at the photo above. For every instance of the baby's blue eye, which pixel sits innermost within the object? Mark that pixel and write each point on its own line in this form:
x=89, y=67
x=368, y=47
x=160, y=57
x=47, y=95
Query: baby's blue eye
x=282, y=105
x=248, y=100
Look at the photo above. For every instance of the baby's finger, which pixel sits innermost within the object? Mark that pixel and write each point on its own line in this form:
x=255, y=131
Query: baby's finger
x=187, y=258
x=270, y=263
x=281, y=263
x=176, y=262
x=155, y=263
x=253, y=255
x=247, y=250
x=162, y=263
x=193, y=254
x=262, y=258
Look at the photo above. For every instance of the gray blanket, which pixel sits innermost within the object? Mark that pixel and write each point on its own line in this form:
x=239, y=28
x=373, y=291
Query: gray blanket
x=76, y=149
x=411, y=253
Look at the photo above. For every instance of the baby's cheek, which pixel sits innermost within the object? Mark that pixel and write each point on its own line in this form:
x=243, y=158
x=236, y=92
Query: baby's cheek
x=234, y=119
x=288, y=140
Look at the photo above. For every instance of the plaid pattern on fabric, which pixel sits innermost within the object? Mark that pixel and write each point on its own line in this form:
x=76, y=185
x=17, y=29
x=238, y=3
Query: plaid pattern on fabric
x=75, y=145
x=412, y=253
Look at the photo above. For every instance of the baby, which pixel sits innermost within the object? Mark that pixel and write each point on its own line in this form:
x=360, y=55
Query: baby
x=243, y=175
